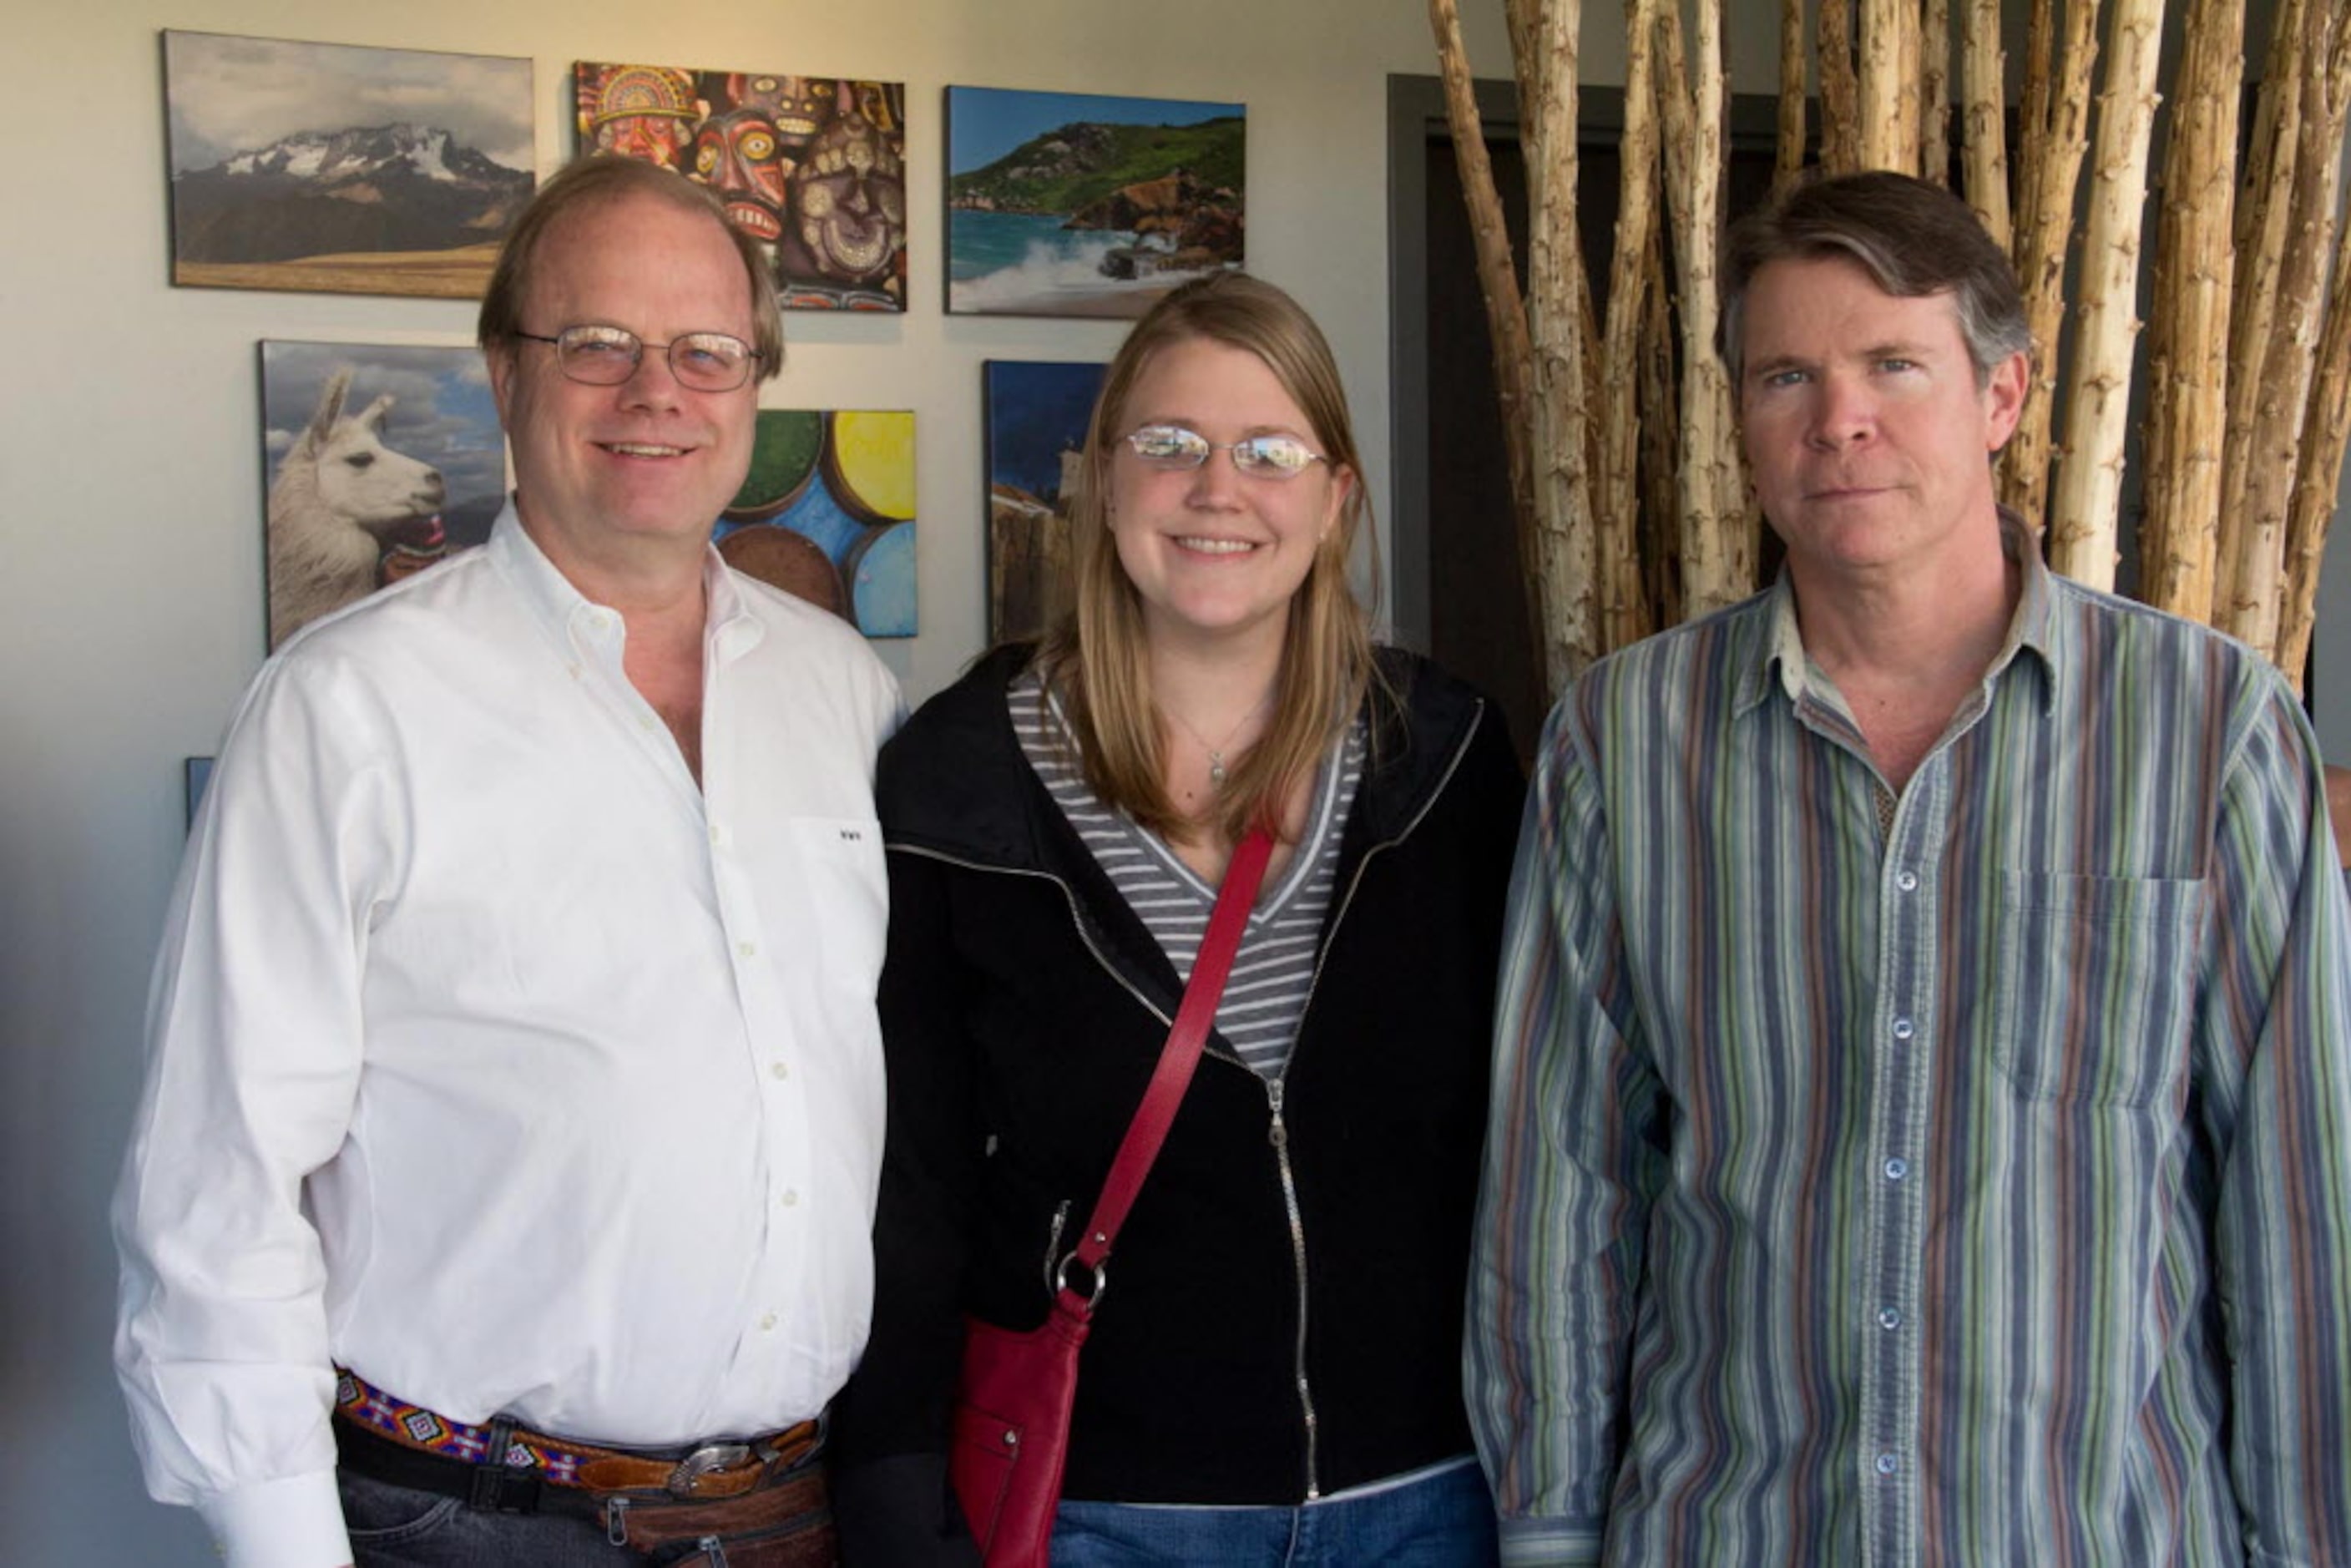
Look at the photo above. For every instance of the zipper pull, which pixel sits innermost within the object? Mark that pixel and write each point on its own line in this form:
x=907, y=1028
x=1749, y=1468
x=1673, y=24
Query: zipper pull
x=1053, y=1246
x=1277, y=1134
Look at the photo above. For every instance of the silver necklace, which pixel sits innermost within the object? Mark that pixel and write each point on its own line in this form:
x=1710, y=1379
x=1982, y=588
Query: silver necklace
x=1216, y=753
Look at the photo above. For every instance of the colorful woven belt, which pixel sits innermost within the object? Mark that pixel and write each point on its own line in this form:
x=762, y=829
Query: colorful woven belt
x=561, y=1461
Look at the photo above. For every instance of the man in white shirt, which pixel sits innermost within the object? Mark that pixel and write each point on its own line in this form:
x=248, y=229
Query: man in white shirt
x=515, y=1108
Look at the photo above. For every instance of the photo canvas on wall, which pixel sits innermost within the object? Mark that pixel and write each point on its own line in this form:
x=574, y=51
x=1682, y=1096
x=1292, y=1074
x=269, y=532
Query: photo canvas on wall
x=1063, y=204
x=379, y=461
x=827, y=512
x=814, y=168
x=1036, y=414
x=341, y=169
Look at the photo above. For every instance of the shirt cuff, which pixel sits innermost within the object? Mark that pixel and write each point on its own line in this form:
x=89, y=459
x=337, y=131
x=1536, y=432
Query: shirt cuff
x=1549, y=1543
x=294, y=1521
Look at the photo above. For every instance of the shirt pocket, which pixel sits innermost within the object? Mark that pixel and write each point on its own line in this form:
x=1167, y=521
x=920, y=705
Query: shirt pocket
x=845, y=895
x=2096, y=984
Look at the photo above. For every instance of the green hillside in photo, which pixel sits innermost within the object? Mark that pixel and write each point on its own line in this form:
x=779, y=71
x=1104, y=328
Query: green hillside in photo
x=1064, y=171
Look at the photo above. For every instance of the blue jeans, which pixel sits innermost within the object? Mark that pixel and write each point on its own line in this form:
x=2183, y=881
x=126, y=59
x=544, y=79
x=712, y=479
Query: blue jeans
x=394, y=1527
x=1441, y=1519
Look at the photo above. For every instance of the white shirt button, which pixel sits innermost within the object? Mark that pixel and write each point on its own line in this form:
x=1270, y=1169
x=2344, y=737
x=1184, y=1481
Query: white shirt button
x=791, y=1197
x=746, y=948
x=1888, y=1319
x=767, y=1323
x=1904, y=1029
x=1887, y=1464
x=1907, y=880
x=1896, y=1168
x=778, y=1070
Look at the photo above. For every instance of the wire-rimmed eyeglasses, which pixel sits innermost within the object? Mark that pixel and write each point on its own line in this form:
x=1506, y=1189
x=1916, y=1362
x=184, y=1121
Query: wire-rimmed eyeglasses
x=1175, y=448
x=601, y=356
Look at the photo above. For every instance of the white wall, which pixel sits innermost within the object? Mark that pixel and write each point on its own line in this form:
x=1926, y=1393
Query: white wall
x=130, y=495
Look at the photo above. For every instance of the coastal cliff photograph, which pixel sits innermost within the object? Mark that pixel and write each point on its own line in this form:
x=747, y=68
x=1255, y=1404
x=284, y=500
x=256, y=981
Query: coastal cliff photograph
x=1087, y=204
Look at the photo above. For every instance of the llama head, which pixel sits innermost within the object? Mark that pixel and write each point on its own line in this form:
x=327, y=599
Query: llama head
x=361, y=482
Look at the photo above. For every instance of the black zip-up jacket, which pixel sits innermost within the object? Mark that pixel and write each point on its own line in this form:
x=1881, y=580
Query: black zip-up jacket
x=1282, y=1314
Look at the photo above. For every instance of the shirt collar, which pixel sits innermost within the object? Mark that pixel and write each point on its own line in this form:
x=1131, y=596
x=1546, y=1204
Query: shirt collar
x=571, y=616
x=1774, y=651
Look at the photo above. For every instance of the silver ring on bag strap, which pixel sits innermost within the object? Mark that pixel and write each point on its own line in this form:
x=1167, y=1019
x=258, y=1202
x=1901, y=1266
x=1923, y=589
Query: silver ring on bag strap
x=1101, y=1272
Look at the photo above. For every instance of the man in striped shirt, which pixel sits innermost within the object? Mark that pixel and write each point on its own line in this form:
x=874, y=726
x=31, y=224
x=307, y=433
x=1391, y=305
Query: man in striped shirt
x=1921, y=1083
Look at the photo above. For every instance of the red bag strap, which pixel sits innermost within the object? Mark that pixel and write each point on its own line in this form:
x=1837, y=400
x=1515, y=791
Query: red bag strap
x=1148, y=1130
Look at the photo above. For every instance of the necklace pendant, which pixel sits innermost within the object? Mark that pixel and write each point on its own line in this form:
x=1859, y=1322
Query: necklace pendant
x=1217, y=769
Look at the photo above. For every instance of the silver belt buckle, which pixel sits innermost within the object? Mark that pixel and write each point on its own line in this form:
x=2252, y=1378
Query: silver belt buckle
x=701, y=1462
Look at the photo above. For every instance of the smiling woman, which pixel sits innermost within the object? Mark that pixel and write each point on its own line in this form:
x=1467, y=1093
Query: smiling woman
x=1060, y=823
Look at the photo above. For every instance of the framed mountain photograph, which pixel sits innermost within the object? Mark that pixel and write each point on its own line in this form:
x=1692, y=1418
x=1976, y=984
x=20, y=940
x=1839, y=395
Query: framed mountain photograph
x=339, y=169
x=1065, y=204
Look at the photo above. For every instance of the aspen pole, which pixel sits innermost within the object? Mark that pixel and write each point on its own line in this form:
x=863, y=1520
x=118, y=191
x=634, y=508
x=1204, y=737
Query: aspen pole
x=1889, y=85
x=1506, y=315
x=2257, y=610
x=1839, y=91
x=2264, y=206
x=2318, y=483
x=1788, y=161
x=1659, y=396
x=1559, y=306
x=1624, y=612
x=2055, y=153
x=1983, y=75
x=2085, y=509
x=1717, y=555
x=1935, y=92
x=2188, y=349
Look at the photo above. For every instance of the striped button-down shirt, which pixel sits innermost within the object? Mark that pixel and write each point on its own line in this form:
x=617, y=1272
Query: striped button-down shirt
x=1961, y=1178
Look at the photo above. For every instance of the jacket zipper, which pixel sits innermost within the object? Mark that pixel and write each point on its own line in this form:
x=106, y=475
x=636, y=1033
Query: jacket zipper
x=1278, y=1131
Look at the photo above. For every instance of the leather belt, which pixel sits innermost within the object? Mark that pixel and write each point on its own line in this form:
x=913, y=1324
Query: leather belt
x=504, y=1465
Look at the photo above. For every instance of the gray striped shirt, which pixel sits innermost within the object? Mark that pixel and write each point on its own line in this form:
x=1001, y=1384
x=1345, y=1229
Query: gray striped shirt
x=1265, y=995
x=1969, y=1189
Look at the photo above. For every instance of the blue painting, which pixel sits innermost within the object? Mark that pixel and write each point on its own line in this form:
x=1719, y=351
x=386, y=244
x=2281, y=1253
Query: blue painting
x=1083, y=204
x=827, y=513
x=1037, y=413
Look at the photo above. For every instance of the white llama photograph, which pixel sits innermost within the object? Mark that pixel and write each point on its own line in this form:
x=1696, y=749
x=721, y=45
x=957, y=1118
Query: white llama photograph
x=379, y=462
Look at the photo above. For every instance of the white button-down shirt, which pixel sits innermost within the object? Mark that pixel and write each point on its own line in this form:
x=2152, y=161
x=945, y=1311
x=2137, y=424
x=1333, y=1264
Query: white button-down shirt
x=493, y=1058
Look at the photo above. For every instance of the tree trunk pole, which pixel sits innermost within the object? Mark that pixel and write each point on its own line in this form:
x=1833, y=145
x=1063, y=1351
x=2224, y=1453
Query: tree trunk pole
x=2188, y=350
x=1559, y=306
x=2264, y=208
x=1624, y=612
x=1839, y=91
x=1935, y=92
x=1506, y=315
x=2055, y=152
x=1983, y=76
x=2087, y=506
x=2289, y=367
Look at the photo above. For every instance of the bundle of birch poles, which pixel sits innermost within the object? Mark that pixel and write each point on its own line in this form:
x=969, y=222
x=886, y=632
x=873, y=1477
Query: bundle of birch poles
x=1633, y=512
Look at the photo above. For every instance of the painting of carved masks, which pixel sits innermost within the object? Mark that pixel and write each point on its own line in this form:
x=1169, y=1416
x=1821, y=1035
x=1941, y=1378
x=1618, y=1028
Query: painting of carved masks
x=814, y=168
x=1065, y=204
x=379, y=461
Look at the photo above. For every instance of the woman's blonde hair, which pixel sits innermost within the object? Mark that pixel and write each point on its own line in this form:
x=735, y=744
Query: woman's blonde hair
x=1095, y=659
